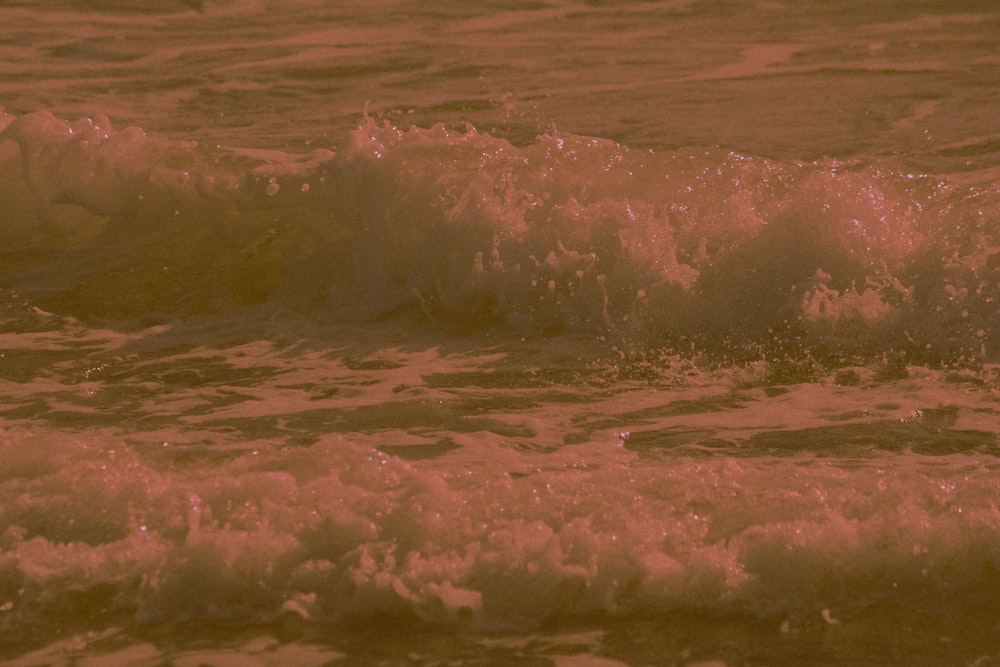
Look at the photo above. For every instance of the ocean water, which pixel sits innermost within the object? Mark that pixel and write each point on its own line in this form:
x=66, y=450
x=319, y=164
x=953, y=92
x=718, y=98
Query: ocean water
x=561, y=332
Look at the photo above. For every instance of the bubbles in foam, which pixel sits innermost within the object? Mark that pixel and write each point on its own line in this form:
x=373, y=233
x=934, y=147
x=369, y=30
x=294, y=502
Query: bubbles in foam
x=272, y=187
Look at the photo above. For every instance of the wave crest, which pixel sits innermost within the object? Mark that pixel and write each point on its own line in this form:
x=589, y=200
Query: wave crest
x=569, y=234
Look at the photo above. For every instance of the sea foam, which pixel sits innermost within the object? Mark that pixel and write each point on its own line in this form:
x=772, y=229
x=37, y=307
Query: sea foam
x=690, y=248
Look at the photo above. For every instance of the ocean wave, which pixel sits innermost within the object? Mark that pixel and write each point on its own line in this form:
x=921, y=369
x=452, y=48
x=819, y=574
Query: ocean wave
x=337, y=533
x=697, y=248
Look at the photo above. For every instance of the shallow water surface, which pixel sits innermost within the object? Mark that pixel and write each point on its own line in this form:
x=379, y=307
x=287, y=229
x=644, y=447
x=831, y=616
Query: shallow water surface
x=548, y=333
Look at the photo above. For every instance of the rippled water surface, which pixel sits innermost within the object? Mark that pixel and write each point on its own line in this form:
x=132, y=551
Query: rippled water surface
x=545, y=333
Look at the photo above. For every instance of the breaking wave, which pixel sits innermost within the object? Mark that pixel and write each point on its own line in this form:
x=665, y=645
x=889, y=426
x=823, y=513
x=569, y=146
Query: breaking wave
x=693, y=249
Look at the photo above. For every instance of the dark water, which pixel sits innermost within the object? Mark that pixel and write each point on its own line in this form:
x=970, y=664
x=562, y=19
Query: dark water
x=560, y=333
